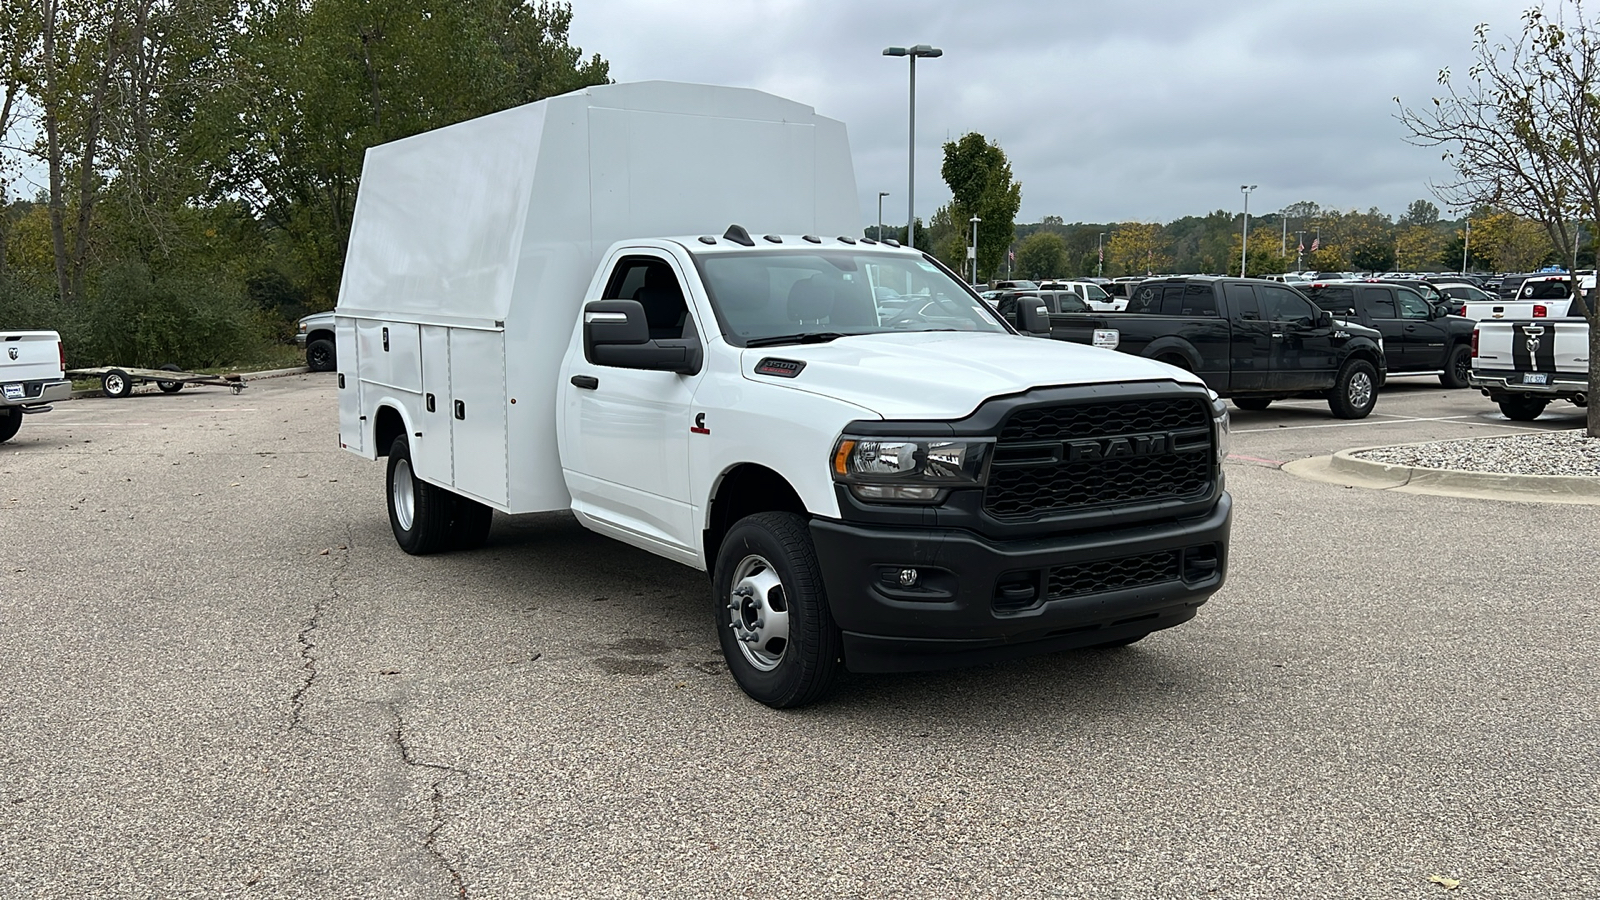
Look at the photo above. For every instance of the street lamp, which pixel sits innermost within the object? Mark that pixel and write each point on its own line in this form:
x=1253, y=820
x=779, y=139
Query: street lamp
x=881, y=195
x=1100, y=266
x=973, y=250
x=1299, y=251
x=1244, y=242
x=1465, y=243
x=911, y=155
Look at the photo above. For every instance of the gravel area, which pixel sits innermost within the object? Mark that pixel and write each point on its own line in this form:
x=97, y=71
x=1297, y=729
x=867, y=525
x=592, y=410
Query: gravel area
x=1545, y=453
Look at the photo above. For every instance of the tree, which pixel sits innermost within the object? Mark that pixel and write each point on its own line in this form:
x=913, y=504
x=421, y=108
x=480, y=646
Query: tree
x=979, y=176
x=1523, y=135
x=1419, y=247
x=1420, y=212
x=1511, y=242
x=1137, y=248
x=1041, y=255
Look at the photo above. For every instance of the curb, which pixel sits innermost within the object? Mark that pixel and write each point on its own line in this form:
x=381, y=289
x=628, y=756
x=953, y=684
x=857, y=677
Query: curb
x=1345, y=468
x=244, y=376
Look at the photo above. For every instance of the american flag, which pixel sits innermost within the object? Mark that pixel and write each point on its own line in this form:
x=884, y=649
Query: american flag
x=1011, y=255
x=1301, y=248
x=1315, y=243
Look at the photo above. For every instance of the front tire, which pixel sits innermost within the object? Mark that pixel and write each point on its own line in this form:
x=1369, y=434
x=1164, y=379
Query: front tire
x=9, y=424
x=1355, y=391
x=116, y=383
x=1457, y=366
x=1254, y=404
x=420, y=514
x=321, y=355
x=1523, y=409
x=772, y=616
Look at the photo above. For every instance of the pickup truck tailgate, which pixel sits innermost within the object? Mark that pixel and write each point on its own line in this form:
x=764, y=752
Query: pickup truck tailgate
x=29, y=356
x=1538, y=345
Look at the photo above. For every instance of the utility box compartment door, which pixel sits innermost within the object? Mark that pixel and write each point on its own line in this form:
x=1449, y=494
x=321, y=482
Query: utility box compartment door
x=431, y=452
x=352, y=430
x=477, y=412
x=390, y=355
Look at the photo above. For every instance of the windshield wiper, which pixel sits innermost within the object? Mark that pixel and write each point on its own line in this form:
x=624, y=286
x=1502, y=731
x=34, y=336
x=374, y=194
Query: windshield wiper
x=809, y=337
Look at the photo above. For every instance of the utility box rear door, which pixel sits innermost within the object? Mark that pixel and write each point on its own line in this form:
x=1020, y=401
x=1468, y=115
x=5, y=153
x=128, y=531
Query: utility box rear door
x=477, y=413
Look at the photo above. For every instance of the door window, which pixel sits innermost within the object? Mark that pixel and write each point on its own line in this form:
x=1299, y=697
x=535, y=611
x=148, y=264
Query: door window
x=651, y=281
x=1284, y=305
x=1242, y=300
x=1341, y=301
x=1379, y=302
x=1198, y=300
x=1412, y=306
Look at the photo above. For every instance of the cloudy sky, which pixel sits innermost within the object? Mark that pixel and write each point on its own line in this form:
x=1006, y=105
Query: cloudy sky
x=1141, y=110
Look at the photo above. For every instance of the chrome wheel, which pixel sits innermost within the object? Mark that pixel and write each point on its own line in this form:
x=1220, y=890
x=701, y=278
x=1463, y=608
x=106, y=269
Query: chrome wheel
x=115, y=386
x=758, y=613
x=403, y=491
x=1360, y=390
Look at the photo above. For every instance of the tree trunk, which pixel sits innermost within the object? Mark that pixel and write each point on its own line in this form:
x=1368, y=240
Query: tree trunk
x=51, y=116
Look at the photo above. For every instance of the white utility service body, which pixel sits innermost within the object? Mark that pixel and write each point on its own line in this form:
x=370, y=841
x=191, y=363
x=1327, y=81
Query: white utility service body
x=32, y=365
x=547, y=309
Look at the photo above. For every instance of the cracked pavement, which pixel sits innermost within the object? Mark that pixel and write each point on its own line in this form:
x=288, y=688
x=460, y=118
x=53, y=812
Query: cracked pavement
x=220, y=678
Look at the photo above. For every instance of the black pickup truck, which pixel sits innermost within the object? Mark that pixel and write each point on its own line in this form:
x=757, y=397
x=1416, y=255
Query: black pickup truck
x=1418, y=336
x=1251, y=341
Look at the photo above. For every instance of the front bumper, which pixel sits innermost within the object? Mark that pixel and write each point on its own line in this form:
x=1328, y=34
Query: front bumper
x=970, y=604
x=36, y=393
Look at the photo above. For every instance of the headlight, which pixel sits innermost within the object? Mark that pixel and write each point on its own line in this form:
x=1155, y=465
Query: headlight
x=909, y=470
x=1219, y=419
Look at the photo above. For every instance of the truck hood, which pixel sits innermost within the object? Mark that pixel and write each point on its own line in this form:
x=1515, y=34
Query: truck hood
x=946, y=375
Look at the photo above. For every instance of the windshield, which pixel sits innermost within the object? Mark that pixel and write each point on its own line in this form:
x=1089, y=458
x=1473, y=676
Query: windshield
x=779, y=297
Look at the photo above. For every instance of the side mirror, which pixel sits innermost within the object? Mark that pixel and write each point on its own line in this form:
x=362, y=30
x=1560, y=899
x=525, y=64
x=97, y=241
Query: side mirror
x=1324, y=319
x=1035, y=318
x=616, y=333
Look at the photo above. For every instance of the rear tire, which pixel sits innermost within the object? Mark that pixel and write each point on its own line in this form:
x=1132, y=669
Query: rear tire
x=170, y=387
x=1523, y=409
x=772, y=615
x=1457, y=366
x=116, y=383
x=1254, y=404
x=470, y=522
x=420, y=514
x=9, y=423
x=1355, y=391
x=321, y=355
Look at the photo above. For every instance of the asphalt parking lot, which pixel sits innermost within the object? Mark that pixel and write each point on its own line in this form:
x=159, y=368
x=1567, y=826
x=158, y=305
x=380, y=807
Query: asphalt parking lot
x=221, y=678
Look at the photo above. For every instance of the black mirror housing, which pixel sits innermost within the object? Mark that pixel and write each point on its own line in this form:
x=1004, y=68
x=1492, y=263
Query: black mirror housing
x=1035, y=318
x=616, y=333
x=1324, y=319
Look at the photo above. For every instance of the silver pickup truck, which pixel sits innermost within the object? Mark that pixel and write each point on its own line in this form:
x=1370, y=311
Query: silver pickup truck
x=32, y=366
x=1524, y=364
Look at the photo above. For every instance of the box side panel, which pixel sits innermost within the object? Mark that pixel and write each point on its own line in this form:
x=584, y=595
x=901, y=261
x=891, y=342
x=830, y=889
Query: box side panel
x=431, y=453
x=477, y=411
x=439, y=218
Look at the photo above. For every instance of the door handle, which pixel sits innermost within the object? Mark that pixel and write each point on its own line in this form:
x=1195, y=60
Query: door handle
x=1278, y=335
x=461, y=409
x=1411, y=328
x=587, y=382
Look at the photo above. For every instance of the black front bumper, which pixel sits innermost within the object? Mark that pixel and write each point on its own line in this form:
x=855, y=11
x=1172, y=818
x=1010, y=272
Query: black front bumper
x=969, y=601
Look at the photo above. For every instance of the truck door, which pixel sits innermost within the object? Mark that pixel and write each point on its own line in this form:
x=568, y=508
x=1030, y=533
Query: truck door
x=352, y=419
x=1252, y=339
x=628, y=430
x=1303, y=356
x=1423, y=336
x=1376, y=304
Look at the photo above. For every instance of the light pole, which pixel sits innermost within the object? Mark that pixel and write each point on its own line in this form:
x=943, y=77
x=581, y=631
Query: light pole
x=1100, y=266
x=911, y=153
x=1244, y=241
x=1465, y=243
x=1299, y=251
x=881, y=195
x=973, y=250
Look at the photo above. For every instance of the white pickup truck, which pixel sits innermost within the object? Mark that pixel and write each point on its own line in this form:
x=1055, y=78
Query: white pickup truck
x=547, y=309
x=1523, y=365
x=32, y=366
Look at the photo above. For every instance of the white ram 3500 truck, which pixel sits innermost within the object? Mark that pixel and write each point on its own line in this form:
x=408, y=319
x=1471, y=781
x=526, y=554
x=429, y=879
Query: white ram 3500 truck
x=547, y=309
x=1522, y=365
x=32, y=376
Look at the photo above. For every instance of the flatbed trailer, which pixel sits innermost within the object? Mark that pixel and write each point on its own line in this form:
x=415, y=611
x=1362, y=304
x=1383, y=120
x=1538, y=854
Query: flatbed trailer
x=118, y=381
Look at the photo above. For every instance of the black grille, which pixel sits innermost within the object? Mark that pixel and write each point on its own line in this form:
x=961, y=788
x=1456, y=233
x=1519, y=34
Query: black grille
x=1035, y=473
x=1112, y=575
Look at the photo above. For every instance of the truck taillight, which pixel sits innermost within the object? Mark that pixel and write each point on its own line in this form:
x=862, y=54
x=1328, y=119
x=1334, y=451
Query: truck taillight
x=61, y=354
x=1474, y=343
x=1540, y=311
